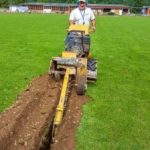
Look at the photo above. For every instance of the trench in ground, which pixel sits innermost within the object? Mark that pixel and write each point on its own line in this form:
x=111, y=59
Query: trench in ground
x=28, y=123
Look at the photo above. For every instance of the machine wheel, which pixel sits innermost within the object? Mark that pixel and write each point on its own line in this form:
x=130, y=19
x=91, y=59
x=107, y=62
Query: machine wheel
x=81, y=85
x=92, y=65
x=81, y=80
x=57, y=76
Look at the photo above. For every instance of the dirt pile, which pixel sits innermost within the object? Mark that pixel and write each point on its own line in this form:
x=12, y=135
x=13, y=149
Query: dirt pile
x=23, y=125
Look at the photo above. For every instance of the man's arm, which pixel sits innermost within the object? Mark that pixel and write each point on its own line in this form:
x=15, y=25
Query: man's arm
x=71, y=18
x=93, y=22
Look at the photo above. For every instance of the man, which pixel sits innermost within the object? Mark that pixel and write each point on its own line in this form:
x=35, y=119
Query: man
x=83, y=15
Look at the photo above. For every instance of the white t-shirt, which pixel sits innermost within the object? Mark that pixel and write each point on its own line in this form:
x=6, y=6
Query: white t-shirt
x=82, y=17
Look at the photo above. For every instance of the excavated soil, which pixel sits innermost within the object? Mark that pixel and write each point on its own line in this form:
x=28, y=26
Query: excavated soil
x=65, y=139
x=26, y=125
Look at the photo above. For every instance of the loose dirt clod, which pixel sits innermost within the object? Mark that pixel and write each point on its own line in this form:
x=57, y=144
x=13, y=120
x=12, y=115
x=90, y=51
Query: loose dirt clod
x=27, y=125
x=21, y=142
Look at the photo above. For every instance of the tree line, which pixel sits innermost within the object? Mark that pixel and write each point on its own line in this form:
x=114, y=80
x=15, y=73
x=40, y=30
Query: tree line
x=132, y=3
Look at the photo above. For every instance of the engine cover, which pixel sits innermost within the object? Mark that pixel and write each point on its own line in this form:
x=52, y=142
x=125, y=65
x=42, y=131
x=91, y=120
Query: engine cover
x=77, y=42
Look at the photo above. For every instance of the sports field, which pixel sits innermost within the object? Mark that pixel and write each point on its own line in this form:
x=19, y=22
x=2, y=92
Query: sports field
x=117, y=115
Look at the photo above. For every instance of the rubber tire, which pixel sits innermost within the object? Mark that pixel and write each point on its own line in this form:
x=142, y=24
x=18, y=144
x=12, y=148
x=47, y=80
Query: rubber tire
x=57, y=76
x=81, y=88
x=92, y=65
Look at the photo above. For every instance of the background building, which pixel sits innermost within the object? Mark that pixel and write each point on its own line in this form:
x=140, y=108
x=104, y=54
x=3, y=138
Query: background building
x=146, y=10
x=99, y=9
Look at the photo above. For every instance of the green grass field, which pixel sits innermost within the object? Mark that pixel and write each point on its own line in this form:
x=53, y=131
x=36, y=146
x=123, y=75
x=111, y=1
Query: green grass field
x=117, y=115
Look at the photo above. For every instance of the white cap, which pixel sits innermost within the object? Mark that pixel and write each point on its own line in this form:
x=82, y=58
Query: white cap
x=82, y=1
